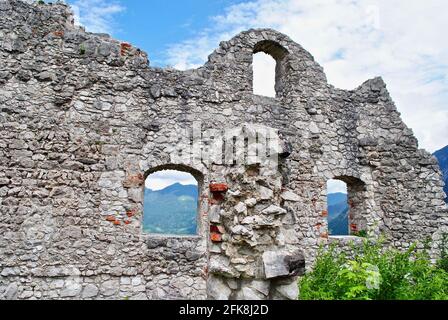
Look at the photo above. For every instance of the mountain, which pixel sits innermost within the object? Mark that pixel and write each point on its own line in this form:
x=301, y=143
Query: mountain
x=172, y=210
x=334, y=198
x=179, y=190
x=442, y=157
x=338, y=211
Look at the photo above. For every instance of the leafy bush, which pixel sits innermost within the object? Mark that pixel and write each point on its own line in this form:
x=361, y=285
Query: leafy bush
x=443, y=262
x=372, y=273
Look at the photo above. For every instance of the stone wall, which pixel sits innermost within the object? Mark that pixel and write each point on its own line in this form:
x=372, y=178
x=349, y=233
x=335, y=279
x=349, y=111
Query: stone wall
x=84, y=119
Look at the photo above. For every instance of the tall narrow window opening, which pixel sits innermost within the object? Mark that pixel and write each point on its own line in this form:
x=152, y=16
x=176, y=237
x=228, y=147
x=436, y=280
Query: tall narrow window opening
x=347, y=207
x=264, y=75
x=269, y=67
x=338, y=208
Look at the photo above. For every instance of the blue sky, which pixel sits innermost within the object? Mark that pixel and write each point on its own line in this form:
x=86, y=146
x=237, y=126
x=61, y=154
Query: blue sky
x=154, y=25
x=403, y=41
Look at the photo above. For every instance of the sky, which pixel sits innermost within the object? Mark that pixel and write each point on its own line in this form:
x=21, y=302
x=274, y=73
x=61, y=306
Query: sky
x=162, y=179
x=403, y=41
x=336, y=186
x=156, y=26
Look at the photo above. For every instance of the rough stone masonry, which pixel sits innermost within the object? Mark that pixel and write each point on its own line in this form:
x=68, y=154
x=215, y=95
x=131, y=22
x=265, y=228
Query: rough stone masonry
x=84, y=119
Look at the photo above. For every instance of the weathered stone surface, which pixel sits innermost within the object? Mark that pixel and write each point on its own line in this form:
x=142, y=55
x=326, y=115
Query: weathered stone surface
x=260, y=286
x=241, y=230
x=45, y=76
x=110, y=288
x=90, y=291
x=287, y=291
x=220, y=265
x=84, y=119
x=241, y=208
x=214, y=214
x=72, y=288
x=217, y=289
x=275, y=210
x=265, y=193
x=251, y=202
x=290, y=196
x=10, y=291
x=250, y=294
x=275, y=265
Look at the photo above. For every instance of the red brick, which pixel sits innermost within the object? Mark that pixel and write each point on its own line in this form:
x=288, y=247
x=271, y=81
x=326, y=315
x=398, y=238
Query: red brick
x=131, y=213
x=124, y=48
x=58, y=33
x=216, y=237
x=218, y=187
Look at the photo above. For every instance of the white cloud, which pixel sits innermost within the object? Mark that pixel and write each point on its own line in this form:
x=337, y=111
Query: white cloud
x=336, y=186
x=400, y=40
x=264, y=72
x=162, y=179
x=96, y=15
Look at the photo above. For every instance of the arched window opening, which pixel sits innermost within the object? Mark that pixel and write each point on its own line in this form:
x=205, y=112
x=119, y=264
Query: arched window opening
x=264, y=75
x=171, y=203
x=268, y=68
x=346, y=207
x=338, y=208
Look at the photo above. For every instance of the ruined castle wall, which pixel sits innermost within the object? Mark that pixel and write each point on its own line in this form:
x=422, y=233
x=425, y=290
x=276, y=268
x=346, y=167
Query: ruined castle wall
x=84, y=118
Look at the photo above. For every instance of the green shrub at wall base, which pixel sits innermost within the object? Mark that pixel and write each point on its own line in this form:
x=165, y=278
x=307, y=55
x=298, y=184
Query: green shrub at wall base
x=375, y=274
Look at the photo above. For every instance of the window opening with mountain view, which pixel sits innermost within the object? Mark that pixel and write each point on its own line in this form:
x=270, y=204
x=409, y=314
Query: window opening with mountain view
x=348, y=207
x=338, y=208
x=170, y=203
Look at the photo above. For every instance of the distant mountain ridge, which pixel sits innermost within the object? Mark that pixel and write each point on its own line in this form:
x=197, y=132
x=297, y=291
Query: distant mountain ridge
x=442, y=157
x=172, y=210
x=178, y=189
